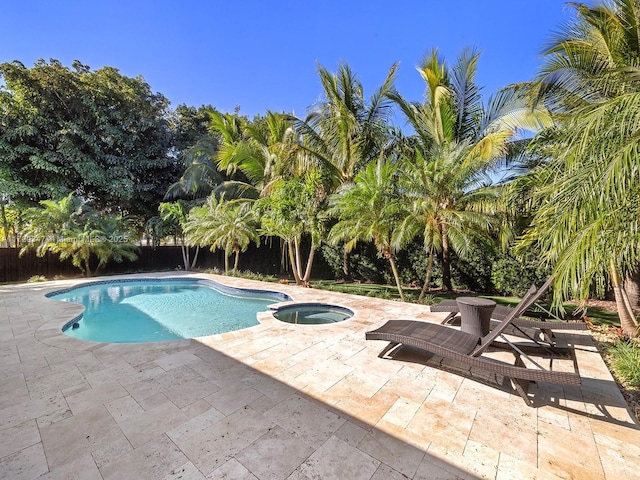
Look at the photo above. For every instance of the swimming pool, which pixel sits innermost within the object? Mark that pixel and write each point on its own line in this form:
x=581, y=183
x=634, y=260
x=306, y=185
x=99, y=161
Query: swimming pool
x=154, y=310
x=312, y=313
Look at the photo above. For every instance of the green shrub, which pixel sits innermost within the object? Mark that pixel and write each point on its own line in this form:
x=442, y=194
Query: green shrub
x=430, y=299
x=37, y=278
x=474, y=272
x=364, y=262
x=412, y=264
x=512, y=276
x=625, y=361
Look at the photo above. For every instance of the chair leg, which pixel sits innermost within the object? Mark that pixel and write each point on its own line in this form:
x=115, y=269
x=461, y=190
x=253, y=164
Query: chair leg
x=521, y=386
x=549, y=336
x=449, y=318
x=387, y=348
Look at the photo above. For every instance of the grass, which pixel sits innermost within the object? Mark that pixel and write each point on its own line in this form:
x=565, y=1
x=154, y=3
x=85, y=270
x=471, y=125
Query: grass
x=621, y=356
x=596, y=315
x=625, y=362
x=37, y=278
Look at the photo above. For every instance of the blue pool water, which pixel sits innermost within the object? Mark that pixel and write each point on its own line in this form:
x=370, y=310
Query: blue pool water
x=312, y=314
x=160, y=309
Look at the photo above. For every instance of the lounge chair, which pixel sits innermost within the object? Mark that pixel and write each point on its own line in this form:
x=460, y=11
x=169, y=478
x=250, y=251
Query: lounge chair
x=537, y=328
x=468, y=349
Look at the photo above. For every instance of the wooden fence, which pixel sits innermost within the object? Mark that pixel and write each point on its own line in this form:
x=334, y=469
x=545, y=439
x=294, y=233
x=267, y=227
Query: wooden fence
x=264, y=260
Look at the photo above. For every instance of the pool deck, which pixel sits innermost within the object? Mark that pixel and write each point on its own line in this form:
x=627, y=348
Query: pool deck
x=281, y=401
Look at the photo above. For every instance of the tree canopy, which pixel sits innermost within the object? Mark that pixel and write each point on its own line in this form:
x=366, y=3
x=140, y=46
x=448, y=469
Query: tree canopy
x=98, y=134
x=586, y=224
x=107, y=140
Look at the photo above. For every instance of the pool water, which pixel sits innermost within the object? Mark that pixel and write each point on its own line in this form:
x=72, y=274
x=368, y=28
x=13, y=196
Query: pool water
x=161, y=310
x=312, y=314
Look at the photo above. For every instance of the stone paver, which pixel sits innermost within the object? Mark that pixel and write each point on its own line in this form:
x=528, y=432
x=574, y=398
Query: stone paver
x=280, y=401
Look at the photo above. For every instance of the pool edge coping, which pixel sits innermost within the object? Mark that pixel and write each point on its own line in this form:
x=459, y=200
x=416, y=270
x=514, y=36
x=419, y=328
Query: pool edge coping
x=50, y=333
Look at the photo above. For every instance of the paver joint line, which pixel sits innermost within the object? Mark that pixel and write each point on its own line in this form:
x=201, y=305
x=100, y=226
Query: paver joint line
x=110, y=408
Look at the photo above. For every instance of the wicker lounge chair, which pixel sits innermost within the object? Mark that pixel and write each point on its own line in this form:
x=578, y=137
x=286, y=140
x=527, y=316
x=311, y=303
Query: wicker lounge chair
x=536, y=327
x=467, y=349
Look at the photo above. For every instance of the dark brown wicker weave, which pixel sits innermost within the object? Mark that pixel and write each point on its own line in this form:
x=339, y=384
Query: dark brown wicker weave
x=500, y=312
x=468, y=349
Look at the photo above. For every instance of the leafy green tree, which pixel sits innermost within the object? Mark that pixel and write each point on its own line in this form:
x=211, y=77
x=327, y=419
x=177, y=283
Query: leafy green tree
x=370, y=209
x=588, y=224
x=293, y=210
x=97, y=134
x=53, y=218
x=459, y=142
x=176, y=215
x=189, y=125
x=255, y=154
x=231, y=226
x=109, y=239
x=345, y=131
x=72, y=229
x=9, y=221
x=196, y=148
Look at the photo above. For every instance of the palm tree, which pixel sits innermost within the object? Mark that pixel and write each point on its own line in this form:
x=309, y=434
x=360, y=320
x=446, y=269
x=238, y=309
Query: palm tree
x=447, y=204
x=252, y=155
x=176, y=213
x=262, y=152
x=370, y=209
x=3, y=217
x=72, y=229
x=459, y=141
x=201, y=175
x=54, y=217
x=293, y=209
x=110, y=239
x=588, y=224
x=231, y=226
x=345, y=131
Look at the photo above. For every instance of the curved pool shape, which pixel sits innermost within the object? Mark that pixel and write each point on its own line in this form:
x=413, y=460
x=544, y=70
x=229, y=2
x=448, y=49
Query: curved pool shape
x=312, y=313
x=154, y=310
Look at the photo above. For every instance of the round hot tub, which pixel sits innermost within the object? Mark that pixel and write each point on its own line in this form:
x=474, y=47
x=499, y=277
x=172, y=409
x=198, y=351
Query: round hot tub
x=311, y=313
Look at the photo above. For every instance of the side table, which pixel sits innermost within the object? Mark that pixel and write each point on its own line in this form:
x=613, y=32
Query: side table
x=475, y=314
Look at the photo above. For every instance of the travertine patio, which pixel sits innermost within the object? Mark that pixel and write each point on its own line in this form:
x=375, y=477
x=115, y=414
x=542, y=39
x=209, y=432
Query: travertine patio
x=280, y=401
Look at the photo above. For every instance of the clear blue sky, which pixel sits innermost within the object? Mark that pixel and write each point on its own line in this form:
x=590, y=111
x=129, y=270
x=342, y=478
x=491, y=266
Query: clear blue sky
x=263, y=54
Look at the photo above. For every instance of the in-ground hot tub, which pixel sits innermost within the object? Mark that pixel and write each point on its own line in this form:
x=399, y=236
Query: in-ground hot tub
x=311, y=313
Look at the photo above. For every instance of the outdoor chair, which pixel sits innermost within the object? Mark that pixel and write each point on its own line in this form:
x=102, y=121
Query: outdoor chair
x=537, y=327
x=470, y=350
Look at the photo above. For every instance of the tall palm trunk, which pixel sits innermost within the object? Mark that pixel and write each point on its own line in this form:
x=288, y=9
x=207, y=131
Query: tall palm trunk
x=226, y=262
x=185, y=256
x=195, y=257
x=185, y=252
x=427, y=279
x=5, y=223
x=396, y=275
x=446, y=261
x=237, y=258
x=307, y=272
x=298, y=258
x=292, y=261
x=345, y=263
x=625, y=312
x=632, y=287
x=87, y=268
